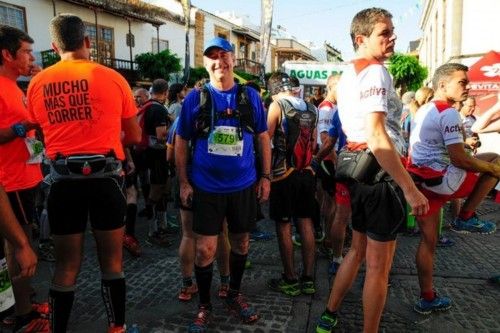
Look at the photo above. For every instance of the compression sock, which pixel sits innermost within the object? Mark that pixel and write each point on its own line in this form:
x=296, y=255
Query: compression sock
x=204, y=280
x=61, y=301
x=236, y=267
x=113, y=294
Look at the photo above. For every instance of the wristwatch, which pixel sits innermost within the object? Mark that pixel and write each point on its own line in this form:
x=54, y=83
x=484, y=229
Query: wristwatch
x=19, y=130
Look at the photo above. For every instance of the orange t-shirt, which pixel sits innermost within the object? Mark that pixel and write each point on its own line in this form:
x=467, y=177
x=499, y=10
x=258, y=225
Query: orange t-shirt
x=79, y=105
x=15, y=173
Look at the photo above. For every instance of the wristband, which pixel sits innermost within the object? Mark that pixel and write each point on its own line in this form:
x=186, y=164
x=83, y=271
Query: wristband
x=266, y=176
x=19, y=130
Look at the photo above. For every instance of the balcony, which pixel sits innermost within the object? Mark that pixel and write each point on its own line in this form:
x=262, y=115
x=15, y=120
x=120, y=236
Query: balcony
x=126, y=68
x=248, y=66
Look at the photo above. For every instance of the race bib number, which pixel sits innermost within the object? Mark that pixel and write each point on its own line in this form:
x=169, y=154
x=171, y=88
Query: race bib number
x=224, y=141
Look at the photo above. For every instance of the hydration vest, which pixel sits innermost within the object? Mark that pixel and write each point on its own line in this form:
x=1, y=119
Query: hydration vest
x=146, y=139
x=207, y=116
x=293, y=139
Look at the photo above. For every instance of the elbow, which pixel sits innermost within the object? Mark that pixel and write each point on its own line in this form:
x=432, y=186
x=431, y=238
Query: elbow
x=460, y=162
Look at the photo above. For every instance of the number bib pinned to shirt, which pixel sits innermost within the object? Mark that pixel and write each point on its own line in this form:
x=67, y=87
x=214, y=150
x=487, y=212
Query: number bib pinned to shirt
x=224, y=141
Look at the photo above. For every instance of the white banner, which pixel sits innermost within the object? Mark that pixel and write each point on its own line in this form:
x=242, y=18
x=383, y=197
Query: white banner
x=186, y=7
x=312, y=72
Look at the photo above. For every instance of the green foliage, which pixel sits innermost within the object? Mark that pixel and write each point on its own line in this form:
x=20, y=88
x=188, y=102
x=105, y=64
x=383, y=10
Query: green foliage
x=407, y=72
x=196, y=74
x=158, y=66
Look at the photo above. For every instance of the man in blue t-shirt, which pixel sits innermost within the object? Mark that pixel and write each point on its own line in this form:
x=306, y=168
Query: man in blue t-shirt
x=224, y=181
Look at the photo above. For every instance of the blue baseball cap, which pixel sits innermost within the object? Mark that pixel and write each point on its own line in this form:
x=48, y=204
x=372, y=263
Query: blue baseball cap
x=218, y=42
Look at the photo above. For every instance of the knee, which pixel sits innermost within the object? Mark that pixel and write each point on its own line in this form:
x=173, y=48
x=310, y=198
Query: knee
x=240, y=247
x=205, y=252
x=358, y=255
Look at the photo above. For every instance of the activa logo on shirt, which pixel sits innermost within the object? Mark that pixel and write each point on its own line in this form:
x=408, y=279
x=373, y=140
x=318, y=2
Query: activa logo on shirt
x=373, y=91
x=452, y=129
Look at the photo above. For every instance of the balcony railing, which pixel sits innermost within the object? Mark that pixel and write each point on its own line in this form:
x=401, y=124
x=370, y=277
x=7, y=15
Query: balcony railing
x=127, y=68
x=248, y=66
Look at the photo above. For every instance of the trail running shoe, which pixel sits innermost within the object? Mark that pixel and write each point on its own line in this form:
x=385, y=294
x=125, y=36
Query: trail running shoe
x=291, y=288
x=326, y=323
x=445, y=242
x=117, y=329
x=202, y=320
x=473, y=225
x=307, y=287
x=31, y=323
x=438, y=304
x=187, y=292
x=296, y=240
x=239, y=306
x=131, y=244
x=223, y=290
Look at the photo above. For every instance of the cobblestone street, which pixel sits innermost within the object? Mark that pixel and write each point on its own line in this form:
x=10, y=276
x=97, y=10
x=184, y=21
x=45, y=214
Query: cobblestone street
x=153, y=282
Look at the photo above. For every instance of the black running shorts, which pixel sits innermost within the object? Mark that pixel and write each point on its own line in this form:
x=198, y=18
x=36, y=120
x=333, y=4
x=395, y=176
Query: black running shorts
x=71, y=203
x=293, y=196
x=210, y=209
x=379, y=210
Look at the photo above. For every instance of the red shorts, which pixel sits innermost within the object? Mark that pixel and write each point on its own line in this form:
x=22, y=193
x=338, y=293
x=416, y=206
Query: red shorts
x=436, y=201
x=342, y=196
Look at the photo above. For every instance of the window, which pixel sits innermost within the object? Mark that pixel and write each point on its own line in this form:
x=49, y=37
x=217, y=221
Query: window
x=13, y=16
x=221, y=35
x=102, y=40
x=154, y=45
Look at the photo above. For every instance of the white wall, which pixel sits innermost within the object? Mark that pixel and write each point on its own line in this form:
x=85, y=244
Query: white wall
x=40, y=12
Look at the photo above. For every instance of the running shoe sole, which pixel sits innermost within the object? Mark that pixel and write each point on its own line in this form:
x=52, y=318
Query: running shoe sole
x=426, y=312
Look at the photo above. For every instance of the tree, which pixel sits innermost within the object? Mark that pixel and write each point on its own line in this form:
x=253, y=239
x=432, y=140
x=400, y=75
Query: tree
x=158, y=66
x=196, y=74
x=406, y=72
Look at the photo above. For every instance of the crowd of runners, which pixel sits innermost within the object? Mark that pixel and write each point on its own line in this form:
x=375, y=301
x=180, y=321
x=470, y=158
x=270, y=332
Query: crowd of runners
x=350, y=164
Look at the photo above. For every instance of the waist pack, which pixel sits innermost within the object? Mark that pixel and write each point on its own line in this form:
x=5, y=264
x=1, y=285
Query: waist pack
x=360, y=166
x=84, y=167
x=426, y=175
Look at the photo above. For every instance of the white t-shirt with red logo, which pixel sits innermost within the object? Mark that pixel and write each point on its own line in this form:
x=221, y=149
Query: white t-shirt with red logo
x=366, y=87
x=434, y=126
x=326, y=110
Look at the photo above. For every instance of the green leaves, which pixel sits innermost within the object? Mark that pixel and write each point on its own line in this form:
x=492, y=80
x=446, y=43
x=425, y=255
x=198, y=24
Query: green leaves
x=158, y=66
x=407, y=72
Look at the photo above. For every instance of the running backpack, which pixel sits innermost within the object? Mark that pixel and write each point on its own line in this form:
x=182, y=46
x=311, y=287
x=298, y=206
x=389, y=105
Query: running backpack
x=293, y=140
x=207, y=117
x=146, y=140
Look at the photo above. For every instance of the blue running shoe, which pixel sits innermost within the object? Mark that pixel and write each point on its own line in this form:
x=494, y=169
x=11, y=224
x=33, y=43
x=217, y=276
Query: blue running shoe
x=474, y=225
x=326, y=323
x=445, y=242
x=332, y=270
x=438, y=304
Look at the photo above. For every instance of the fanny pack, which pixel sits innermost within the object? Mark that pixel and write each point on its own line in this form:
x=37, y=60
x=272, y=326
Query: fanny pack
x=359, y=165
x=84, y=167
x=426, y=175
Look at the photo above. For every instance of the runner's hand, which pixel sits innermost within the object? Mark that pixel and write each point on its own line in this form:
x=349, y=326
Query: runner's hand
x=186, y=192
x=130, y=167
x=27, y=261
x=417, y=201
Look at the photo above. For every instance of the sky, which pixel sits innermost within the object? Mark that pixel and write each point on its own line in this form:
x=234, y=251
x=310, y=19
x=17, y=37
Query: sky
x=326, y=20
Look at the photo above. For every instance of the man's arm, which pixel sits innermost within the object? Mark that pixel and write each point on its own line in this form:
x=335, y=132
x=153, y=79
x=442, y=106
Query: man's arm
x=488, y=121
x=7, y=134
x=265, y=161
x=381, y=145
x=12, y=231
x=462, y=160
x=132, y=131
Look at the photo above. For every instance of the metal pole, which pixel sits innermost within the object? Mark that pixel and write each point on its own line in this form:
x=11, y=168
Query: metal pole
x=130, y=44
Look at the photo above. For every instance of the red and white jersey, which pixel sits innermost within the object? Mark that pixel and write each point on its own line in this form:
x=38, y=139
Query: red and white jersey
x=435, y=125
x=366, y=87
x=326, y=110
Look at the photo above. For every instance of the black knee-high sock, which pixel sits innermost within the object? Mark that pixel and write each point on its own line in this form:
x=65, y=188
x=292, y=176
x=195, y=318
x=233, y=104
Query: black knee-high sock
x=130, y=219
x=236, y=267
x=113, y=295
x=204, y=280
x=61, y=302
